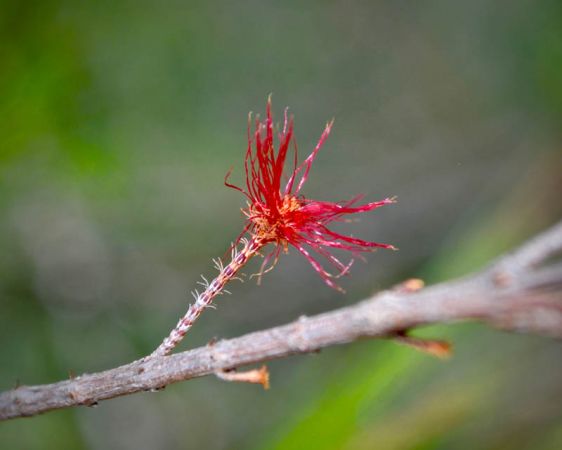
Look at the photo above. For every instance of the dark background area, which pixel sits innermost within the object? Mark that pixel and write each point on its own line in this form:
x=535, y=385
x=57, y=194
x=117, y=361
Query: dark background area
x=118, y=122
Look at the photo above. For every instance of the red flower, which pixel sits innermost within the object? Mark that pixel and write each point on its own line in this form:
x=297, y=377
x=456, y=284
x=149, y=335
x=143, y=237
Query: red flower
x=281, y=216
x=277, y=213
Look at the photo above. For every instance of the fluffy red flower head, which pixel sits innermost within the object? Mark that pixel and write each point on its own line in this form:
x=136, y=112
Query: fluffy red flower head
x=278, y=214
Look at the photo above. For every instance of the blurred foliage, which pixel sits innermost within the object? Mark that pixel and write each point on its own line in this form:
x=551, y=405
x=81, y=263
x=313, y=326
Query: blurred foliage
x=118, y=122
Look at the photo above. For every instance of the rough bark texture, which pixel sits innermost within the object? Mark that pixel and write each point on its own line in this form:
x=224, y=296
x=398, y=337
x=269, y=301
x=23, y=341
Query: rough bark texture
x=516, y=293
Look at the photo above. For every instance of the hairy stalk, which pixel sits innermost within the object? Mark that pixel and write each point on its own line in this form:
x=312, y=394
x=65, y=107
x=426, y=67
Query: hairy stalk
x=203, y=300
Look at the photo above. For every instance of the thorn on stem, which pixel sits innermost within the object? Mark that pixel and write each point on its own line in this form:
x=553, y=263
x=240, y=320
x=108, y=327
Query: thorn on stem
x=435, y=347
x=254, y=376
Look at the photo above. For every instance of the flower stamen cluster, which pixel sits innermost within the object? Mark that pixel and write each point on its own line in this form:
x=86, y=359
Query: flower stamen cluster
x=277, y=213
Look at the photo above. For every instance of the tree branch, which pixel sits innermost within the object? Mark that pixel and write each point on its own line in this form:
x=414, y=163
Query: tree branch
x=513, y=293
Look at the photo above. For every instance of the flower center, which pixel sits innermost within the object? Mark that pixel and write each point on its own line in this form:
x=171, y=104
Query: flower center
x=270, y=226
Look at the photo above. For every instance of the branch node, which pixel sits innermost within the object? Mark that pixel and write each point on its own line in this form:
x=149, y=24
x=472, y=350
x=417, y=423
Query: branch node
x=502, y=279
x=410, y=285
x=157, y=389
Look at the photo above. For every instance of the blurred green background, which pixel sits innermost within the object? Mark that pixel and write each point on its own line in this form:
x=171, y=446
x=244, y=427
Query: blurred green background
x=118, y=121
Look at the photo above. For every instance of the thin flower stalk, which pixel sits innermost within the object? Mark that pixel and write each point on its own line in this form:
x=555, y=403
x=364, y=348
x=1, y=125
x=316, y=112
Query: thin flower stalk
x=203, y=300
x=278, y=214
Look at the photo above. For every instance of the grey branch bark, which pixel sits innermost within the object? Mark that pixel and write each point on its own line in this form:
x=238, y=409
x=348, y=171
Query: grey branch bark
x=518, y=292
